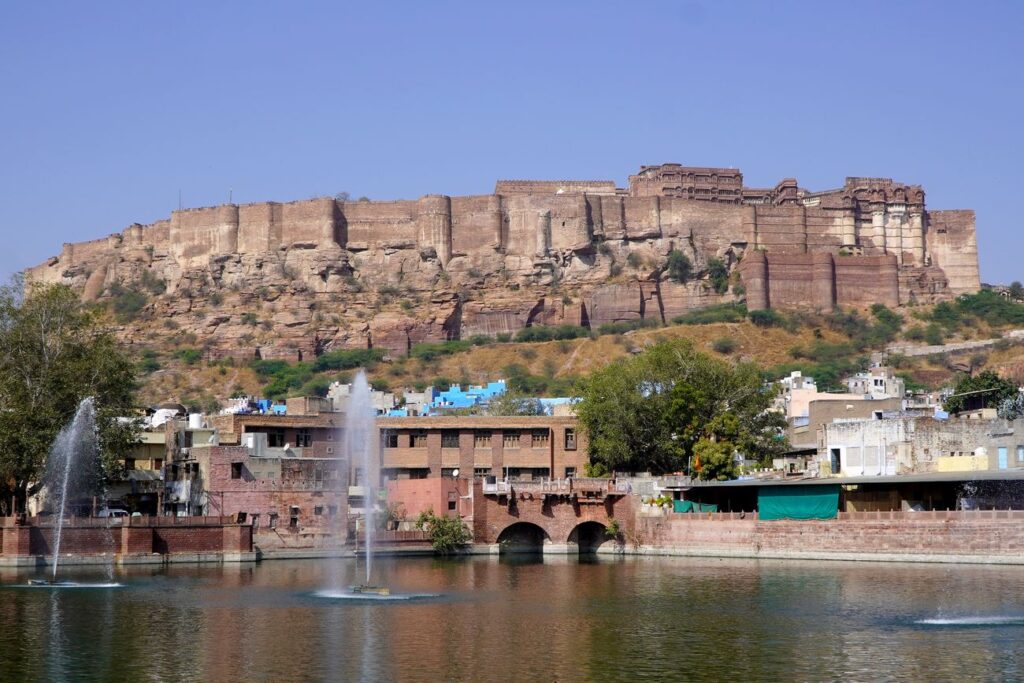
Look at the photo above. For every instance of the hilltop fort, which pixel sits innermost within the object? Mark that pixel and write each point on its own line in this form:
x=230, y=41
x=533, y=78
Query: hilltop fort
x=290, y=280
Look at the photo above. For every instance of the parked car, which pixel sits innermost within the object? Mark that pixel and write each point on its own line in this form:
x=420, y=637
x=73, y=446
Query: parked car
x=112, y=512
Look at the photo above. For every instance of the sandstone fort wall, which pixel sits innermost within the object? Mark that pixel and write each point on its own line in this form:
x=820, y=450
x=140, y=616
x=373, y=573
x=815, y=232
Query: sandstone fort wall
x=535, y=252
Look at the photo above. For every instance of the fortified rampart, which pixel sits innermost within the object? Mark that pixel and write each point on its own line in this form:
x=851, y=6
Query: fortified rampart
x=321, y=273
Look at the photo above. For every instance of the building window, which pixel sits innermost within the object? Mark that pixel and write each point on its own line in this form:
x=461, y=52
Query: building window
x=158, y=463
x=129, y=464
x=293, y=521
x=275, y=438
x=452, y=504
x=419, y=473
x=540, y=438
x=236, y=470
x=570, y=472
x=570, y=439
x=357, y=476
x=449, y=439
x=303, y=439
x=418, y=439
x=448, y=471
x=482, y=439
x=481, y=471
x=510, y=439
x=1020, y=453
x=391, y=439
x=318, y=510
x=273, y=520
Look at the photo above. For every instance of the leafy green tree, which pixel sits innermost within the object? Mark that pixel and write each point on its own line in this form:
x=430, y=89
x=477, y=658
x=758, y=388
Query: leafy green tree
x=513, y=403
x=54, y=353
x=991, y=390
x=447, y=534
x=1016, y=290
x=666, y=408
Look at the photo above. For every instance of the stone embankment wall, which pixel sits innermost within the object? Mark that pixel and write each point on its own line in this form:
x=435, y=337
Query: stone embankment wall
x=964, y=536
x=127, y=537
x=293, y=279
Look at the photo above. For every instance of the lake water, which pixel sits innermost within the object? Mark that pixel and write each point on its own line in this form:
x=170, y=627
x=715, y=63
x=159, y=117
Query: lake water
x=558, y=619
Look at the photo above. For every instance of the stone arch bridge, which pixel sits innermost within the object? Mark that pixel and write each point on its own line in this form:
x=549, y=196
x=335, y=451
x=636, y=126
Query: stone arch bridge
x=559, y=515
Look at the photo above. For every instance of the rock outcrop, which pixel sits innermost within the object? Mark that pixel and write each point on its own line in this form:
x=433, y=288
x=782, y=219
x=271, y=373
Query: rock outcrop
x=292, y=280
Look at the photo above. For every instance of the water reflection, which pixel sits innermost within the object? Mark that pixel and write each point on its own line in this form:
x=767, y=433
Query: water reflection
x=519, y=616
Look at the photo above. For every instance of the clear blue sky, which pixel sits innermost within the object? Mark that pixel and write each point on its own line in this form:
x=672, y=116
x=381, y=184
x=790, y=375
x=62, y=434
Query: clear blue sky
x=109, y=109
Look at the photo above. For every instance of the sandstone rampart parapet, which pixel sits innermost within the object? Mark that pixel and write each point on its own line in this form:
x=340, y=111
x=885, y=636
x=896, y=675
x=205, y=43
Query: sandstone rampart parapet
x=323, y=273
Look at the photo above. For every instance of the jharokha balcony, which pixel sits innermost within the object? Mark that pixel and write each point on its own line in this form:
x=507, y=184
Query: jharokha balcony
x=581, y=489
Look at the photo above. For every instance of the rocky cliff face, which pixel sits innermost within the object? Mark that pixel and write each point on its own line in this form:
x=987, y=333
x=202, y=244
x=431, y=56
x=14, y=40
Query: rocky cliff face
x=292, y=280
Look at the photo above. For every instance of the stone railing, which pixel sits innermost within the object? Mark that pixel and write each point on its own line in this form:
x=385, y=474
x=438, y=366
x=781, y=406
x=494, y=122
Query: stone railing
x=568, y=486
x=381, y=536
x=103, y=522
x=867, y=516
x=931, y=515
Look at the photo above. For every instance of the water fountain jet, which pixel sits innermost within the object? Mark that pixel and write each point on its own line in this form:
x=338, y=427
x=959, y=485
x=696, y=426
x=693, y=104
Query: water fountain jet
x=361, y=447
x=71, y=468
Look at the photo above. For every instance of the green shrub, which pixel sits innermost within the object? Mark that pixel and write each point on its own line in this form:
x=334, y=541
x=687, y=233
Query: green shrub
x=634, y=260
x=543, y=333
x=282, y=378
x=724, y=313
x=679, y=267
x=521, y=382
x=149, y=362
x=718, y=274
x=126, y=302
x=348, y=359
x=447, y=534
x=915, y=333
x=189, y=355
x=992, y=308
x=725, y=345
x=441, y=383
x=767, y=318
x=503, y=337
x=933, y=335
x=152, y=283
x=318, y=386
x=428, y=352
x=249, y=318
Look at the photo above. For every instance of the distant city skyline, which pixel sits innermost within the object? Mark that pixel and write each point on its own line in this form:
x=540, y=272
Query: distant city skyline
x=113, y=110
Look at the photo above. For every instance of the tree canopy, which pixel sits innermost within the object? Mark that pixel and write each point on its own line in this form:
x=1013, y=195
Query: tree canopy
x=54, y=353
x=986, y=389
x=673, y=408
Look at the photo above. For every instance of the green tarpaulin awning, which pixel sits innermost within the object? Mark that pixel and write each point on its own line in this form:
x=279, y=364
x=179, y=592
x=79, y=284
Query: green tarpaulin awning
x=798, y=502
x=692, y=506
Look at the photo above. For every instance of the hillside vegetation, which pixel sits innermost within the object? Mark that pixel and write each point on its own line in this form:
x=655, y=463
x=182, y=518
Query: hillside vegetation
x=549, y=360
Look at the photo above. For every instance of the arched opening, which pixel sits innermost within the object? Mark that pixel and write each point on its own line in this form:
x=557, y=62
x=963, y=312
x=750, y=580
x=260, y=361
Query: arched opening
x=588, y=536
x=522, y=537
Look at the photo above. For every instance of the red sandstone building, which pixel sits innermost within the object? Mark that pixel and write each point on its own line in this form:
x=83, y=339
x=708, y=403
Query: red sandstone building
x=518, y=448
x=285, y=473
